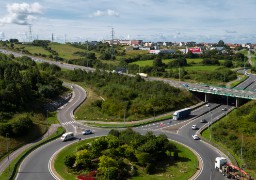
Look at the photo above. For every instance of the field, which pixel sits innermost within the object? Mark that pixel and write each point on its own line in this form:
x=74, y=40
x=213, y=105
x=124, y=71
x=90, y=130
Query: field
x=33, y=49
x=201, y=68
x=66, y=51
x=195, y=67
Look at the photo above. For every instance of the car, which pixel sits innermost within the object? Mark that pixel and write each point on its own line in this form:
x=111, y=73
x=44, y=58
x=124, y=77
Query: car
x=185, y=85
x=203, y=121
x=87, y=131
x=195, y=137
x=224, y=109
x=207, y=105
x=194, y=127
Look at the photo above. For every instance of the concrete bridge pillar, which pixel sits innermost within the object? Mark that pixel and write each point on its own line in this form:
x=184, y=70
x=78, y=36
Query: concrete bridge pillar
x=238, y=102
x=206, y=97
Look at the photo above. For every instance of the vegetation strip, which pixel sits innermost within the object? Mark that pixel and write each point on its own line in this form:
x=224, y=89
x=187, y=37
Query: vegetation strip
x=68, y=167
x=14, y=165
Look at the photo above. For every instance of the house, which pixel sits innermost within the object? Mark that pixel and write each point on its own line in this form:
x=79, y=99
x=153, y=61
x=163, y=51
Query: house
x=165, y=51
x=194, y=50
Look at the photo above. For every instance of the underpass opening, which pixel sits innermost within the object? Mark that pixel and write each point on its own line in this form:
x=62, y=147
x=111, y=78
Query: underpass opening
x=220, y=99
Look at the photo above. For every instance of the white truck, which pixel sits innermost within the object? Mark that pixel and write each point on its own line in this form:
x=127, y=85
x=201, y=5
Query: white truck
x=67, y=136
x=229, y=170
x=143, y=75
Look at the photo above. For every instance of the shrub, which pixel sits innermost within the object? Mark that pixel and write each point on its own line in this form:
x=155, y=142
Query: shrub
x=70, y=160
x=21, y=126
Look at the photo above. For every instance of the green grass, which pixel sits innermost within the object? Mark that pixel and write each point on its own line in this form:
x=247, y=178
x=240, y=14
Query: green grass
x=131, y=124
x=60, y=158
x=33, y=49
x=65, y=50
x=195, y=61
x=188, y=68
x=52, y=118
x=224, y=148
x=201, y=68
x=242, y=78
x=178, y=171
x=135, y=52
x=14, y=165
x=253, y=58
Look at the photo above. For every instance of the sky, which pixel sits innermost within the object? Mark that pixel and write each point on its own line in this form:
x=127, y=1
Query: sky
x=232, y=21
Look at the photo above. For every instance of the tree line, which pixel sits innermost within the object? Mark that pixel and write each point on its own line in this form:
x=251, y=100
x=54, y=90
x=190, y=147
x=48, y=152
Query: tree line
x=24, y=87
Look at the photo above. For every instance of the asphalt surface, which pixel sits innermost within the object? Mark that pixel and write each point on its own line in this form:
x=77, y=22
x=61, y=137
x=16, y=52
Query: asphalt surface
x=36, y=165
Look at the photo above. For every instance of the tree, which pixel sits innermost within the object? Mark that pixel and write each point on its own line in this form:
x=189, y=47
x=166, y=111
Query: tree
x=21, y=126
x=143, y=158
x=221, y=43
x=228, y=64
x=158, y=62
x=108, y=167
x=70, y=160
x=83, y=159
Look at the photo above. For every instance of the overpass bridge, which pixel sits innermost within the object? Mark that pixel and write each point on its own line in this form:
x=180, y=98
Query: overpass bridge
x=211, y=92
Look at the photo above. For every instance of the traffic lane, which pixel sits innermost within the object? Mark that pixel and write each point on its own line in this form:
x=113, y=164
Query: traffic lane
x=251, y=87
x=210, y=118
x=35, y=166
x=65, y=114
x=170, y=122
x=246, y=83
x=206, y=152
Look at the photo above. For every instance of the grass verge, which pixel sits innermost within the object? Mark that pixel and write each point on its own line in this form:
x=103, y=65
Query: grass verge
x=184, y=169
x=242, y=79
x=131, y=124
x=11, y=171
x=235, y=160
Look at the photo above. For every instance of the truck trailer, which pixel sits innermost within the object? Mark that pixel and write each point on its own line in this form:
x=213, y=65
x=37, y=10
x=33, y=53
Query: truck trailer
x=229, y=170
x=144, y=75
x=182, y=113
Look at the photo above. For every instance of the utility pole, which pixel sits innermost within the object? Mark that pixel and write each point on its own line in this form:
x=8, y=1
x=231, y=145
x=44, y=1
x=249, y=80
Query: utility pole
x=52, y=37
x=30, y=33
x=112, y=40
x=124, y=116
x=242, y=148
x=179, y=74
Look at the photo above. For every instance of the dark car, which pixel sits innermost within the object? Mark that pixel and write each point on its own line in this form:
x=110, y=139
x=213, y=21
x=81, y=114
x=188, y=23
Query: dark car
x=87, y=131
x=203, y=121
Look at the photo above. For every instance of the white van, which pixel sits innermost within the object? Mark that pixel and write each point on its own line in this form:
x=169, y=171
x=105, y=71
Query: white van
x=67, y=136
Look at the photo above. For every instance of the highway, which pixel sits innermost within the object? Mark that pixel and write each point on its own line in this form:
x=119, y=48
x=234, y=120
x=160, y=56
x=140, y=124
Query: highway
x=36, y=165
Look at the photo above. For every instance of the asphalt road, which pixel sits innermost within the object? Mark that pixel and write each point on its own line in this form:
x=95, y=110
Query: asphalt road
x=35, y=166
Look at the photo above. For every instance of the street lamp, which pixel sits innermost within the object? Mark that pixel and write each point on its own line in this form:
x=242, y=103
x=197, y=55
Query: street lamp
x=7, y=150
x=47, y=122
x=210, y=117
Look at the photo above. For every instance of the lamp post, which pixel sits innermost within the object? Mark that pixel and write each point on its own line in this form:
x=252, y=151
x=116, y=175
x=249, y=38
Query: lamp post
x=7, y=150
x=210, y=120
x=211, y=128
x=47, y=123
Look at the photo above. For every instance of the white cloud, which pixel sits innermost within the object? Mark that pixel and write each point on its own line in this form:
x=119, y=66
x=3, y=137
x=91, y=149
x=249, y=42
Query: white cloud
x=21, y=14
x=108, y=12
